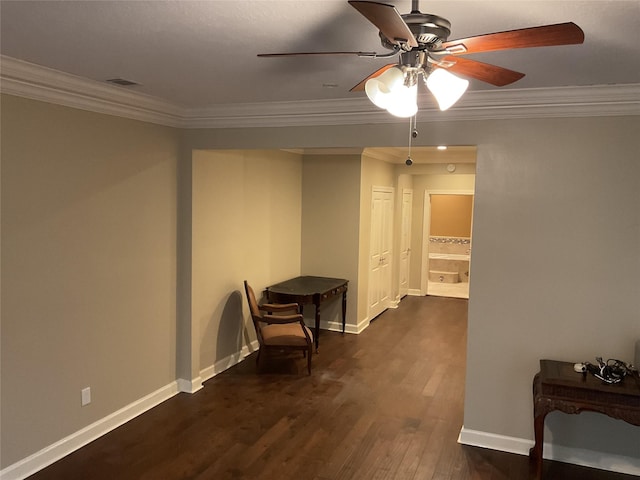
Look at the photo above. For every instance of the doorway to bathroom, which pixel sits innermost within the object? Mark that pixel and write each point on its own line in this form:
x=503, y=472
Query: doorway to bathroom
x=448, y=220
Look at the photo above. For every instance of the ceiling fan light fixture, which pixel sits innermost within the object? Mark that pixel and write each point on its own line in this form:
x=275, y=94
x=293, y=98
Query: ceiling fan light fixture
x=380, y=90
x=389, y=91
x=446, y=87
x=404, y=102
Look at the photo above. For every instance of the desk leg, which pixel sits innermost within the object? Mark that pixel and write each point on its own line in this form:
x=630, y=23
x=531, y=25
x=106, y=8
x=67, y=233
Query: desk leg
x=317, y=303
x=344, y=310
x=535, y=454
x=540, y=410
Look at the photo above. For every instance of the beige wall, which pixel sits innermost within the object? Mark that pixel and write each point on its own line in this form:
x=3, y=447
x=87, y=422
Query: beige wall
x=246, y=226
x=330, y=234
x=451, y=215
x=556, y=207
x=88, y=268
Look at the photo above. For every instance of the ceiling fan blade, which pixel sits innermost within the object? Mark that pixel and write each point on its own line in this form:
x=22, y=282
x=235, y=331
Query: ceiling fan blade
x=360, y=86
x=485, y=72
x=387, y=19
x=545, y=36
x=293, y=54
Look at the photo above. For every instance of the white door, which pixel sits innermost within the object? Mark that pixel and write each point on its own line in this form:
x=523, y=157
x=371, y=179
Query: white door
x=381, y=250
x=405, y=241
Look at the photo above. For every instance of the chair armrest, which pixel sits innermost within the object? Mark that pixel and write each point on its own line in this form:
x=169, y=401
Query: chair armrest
x=282, y=319
x=290, y=319
x=279, y=307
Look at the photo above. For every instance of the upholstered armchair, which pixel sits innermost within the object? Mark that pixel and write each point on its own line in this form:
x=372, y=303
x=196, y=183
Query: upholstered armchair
x=279, y=327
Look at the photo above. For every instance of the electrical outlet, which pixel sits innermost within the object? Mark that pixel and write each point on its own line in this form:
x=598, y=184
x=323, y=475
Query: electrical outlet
x=86, y=396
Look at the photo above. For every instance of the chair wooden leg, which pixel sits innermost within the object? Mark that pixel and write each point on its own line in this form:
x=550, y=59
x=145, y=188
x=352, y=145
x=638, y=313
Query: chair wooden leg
x=309, y=359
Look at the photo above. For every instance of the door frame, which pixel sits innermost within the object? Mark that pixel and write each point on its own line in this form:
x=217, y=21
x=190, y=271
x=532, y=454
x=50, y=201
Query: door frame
x=402, y=225
x=426, y=230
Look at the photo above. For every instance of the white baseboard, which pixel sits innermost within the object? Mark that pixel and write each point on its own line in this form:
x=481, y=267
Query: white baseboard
x=337, y=327
x=189, y=386
x=415, y=292
x=362, y=326
x=52, y=453
x=229, y=361
x=333, y=326
x=48, y=455
x=589, y=458
x=576, y=456
x=494, y=442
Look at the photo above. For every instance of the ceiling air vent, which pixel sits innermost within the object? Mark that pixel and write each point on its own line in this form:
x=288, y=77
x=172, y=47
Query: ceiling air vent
x=122, y=82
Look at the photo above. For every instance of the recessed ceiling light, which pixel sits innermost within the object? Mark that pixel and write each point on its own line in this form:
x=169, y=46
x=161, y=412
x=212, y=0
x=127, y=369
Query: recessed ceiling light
x=330, y=85
x=442, y=147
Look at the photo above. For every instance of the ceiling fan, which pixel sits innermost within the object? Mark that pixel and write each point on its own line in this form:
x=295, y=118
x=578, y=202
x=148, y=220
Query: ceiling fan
x=421, y=42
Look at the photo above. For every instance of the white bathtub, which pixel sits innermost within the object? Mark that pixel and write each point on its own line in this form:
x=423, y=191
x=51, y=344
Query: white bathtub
x=450, y=256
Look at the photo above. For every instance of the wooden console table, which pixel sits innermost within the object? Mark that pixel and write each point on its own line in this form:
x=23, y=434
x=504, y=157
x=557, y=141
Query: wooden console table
x=558, y=387
x=308, y=289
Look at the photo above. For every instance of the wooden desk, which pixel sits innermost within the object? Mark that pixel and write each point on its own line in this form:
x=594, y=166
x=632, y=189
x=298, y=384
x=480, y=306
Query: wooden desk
x=306, y=290
x=558, y=387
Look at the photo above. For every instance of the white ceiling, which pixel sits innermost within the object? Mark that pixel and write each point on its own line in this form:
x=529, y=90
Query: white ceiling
x=198, y=54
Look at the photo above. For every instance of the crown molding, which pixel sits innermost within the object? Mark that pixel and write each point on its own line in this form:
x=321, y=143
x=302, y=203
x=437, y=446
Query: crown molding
x=598, y=100
x=24, y=79
x=28, y=80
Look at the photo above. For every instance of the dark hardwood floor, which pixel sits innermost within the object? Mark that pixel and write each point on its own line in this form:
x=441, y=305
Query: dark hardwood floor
x=386, y=404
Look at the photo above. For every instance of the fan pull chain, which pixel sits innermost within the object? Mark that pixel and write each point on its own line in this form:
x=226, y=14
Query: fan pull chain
x=413, y=133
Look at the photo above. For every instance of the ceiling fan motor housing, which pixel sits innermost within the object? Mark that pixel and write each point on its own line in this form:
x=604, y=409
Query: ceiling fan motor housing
x=413, y=64
x=430, y=31
x=417, y=59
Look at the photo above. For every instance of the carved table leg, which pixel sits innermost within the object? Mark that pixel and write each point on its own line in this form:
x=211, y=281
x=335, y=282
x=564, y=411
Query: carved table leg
x=535, y=454
x=317, y=302
x=344, y=310
x=539, y=413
